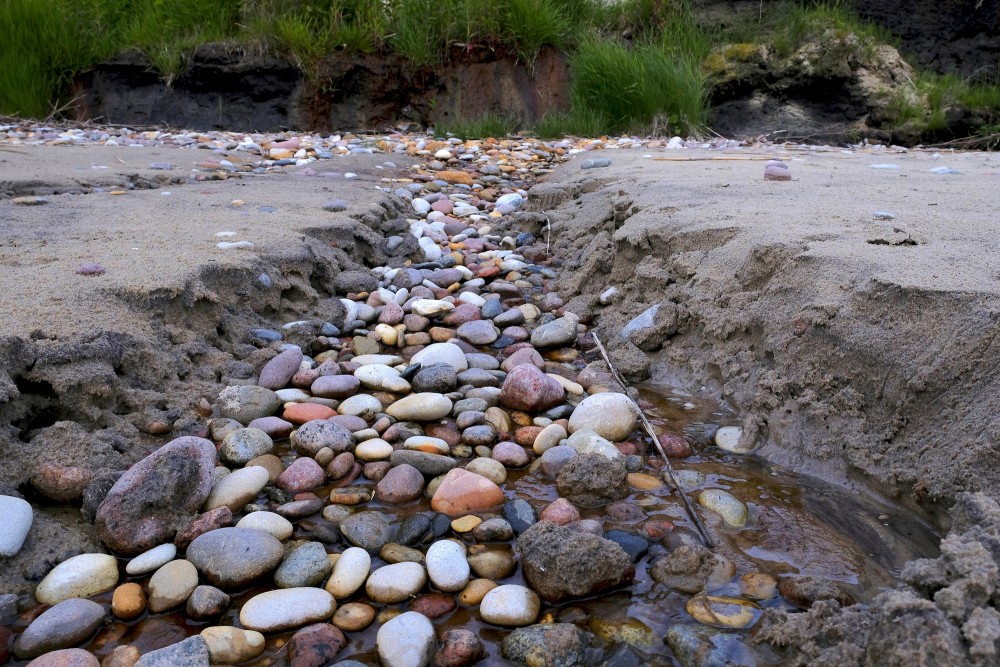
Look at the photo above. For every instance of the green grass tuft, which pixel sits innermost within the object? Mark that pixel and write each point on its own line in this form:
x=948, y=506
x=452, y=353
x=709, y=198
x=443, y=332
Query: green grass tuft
x=578, y=123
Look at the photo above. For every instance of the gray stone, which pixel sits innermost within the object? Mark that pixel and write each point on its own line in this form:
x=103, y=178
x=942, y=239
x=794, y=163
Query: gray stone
x=206, y=602
x=306, y=565
x=548, y=645
x=519, y=514
x=699, y=646
x=557, y=333
x=560, y=563
x=368, y=530
x=592, y=480
x=319, y=433
x=652, y=327
x=64, y=625
x=427, y=463
x=192, y=652
x=234, y=557
x=245, y=444
x=244, y=403
x=554, y=458
x=440, y=378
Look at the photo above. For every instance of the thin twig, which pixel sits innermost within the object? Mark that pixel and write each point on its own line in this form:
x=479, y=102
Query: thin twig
x=692, y=512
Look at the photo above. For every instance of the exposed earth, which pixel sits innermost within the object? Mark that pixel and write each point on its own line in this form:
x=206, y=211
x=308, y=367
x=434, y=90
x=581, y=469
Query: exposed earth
x=848, y=316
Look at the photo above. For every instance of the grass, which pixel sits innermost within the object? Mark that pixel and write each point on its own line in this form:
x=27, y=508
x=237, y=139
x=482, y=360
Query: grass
x=636, y=65
x=492, y=124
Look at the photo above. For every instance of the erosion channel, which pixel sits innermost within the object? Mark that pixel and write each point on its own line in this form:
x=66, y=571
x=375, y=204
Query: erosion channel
x=355, y=385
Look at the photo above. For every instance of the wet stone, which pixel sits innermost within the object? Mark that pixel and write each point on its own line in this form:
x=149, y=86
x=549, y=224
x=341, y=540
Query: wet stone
x=549, y=644
x=234, y=557
x=591, y=480
x=191, y=652
x=206, y=603
x=306, y=565
x=458, y=648
x=412, y=530
x=519, y=514
x=367, y=530
x=315, y=645
x=65, y=624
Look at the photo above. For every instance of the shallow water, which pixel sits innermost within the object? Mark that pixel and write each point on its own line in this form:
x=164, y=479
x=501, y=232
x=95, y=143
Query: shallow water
x=797, y=525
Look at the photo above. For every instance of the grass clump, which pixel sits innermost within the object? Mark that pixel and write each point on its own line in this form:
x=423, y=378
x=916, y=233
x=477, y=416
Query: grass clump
x=633, y=87
x=491, y=124
x=803, y=23
x=577, y=123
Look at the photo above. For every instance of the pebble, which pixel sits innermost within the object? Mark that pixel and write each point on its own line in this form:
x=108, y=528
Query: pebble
x=459, y=648
x=461, y=492
x=442, y=353
x=229, y=646
x=172, y=585
x=67, y=657
x=65, y=624
x=18, y=517
x=305, y=565
x=610, y=415
x=302, y=475
x=245, y=444
x=268, y=522
x=408, y=640
x=191, y=652
x=722, y=612
x=78, y=577
x=420, y=407
x=151, y=560
x=446, y=566
x=354, y=616
x=368, y=530
x=728, y=438
x=206, y=602
x=391, y=584
x=237, y=488
x=315, y=645
x=128, y=601
x=234, y=557
x=349, y=573
x=401, y=484
x=274, y=611
x=510, y=605
x=723, y=503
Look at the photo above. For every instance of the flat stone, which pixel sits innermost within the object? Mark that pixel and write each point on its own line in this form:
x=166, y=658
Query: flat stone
x=510, y=605
x=151, y=560
x=244, y=403
x=268, y=522
x=237, y=488
x=315, y=435
x=305, y=565
x=171, y=585
x=229, y=646
x=461, y=492
x=442, y=353
x=335, y=386
x=378, y=377
x=391, y=584
x=364, y=406
x=191, y=652
x=277, y=372
x=420, y=407
x=234, y=557
x=66, y=624
x=78, y=577
x=67, y=657
x=287, y=608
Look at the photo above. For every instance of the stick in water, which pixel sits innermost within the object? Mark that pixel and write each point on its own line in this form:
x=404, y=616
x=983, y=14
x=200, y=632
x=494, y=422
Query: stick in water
x=692, y=512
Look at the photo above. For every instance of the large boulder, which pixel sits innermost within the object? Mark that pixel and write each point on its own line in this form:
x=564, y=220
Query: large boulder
x=157, y=496
x=562, y=563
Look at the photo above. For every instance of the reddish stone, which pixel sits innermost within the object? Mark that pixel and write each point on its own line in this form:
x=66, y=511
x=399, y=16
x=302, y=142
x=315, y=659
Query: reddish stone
x=525, y=436
x=433, y=605
x=304, y=378
x=674, y=446
x=401, y=485
x=300, y=413
x=458, y=648
x=61, y=483
x=627, y=448
x=276, y=427
x=159, y=493
x=352, y=475
x=376, y=470
x=340, y=465
x=525, y=355
x=488, y=271
x=220, y=517
x=656, y=529
x=527, y=388
x=510, y=454
x=462, y=491
x=392, y=313
x=315, y=645
x=446, y=432
x=466, y=312
x=303, y=474
x=560, y=512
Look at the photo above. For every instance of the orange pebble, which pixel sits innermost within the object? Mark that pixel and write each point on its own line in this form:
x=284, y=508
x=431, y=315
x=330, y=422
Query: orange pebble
x=300, y=413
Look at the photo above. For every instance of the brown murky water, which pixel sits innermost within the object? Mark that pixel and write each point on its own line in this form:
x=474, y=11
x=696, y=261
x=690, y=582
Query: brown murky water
x=797, y=524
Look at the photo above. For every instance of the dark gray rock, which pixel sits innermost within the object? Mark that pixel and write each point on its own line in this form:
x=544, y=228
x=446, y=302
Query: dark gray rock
x=560, y=563
x=549, y=645
x=368, y=530
x=234, y=557
x=593, y=480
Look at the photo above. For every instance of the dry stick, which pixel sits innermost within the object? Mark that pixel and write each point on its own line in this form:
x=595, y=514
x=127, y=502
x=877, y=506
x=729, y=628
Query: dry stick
x=692, y=512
